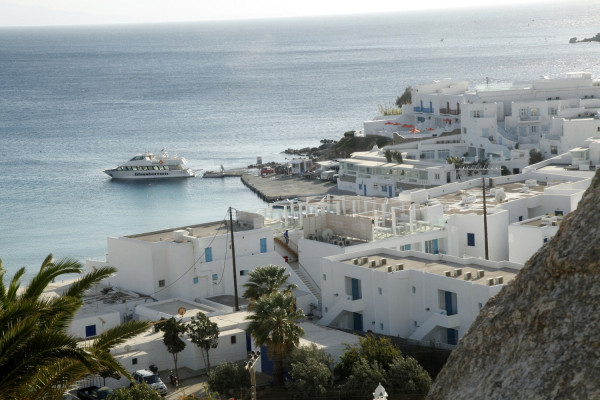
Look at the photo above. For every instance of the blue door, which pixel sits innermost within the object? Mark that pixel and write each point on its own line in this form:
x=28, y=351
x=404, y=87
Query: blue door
x=365, y=189
x=263, y=245
x=390, y=191
x=266, y=363
x=356, y=289
x=358, y=321
x=435, y=246
x=208, y=254
x=452, y=336
x=450, y=300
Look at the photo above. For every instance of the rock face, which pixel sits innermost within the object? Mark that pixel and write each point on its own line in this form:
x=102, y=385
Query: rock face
x=539, y=338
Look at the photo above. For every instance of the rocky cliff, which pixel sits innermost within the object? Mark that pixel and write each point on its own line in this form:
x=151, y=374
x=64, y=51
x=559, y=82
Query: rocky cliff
x=539, y=338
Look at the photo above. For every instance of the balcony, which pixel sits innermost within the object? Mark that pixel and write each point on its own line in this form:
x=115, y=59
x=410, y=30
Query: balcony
x=449, y=111
x=529, y=118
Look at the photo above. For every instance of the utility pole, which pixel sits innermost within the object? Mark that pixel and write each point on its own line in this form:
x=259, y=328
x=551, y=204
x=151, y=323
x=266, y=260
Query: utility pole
x=235, y=290
x=485, y=220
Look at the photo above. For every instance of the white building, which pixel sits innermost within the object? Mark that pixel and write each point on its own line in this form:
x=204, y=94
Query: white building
x=497, y=122
x=194, y=262
x=432, y=298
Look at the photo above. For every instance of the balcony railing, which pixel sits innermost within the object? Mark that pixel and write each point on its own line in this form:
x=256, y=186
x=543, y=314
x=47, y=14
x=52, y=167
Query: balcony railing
x=448, y=111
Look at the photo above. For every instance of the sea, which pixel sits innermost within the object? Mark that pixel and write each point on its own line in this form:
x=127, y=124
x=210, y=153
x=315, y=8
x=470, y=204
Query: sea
x=77, y=100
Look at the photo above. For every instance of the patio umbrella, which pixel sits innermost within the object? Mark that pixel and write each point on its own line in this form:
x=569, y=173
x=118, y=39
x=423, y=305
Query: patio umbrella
x=389, y=123
x=409, y=126
x=414, y=130
x=430, y=129
x=448, y=120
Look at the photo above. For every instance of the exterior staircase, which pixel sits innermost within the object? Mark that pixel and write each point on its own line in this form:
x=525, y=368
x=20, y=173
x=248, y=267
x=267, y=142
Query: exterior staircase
x=299, y=269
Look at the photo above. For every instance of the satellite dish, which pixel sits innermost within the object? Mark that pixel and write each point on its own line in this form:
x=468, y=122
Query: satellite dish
x=181, y=311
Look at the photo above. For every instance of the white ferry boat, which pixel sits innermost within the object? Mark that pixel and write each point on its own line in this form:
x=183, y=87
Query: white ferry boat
x=152, y=166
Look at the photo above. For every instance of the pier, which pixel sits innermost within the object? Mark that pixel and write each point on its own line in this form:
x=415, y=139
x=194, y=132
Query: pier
x=279, y=187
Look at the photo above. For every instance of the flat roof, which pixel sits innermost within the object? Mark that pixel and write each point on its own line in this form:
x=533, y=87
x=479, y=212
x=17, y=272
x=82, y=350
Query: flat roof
x=173, y=306
x=199, y=230
x=436, y=267
x=473, y=203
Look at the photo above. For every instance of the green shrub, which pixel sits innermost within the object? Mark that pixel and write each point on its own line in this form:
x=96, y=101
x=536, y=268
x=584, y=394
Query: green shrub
x=229, y=378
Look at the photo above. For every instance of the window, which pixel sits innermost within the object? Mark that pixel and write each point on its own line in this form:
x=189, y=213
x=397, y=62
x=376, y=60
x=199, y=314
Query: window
x=523, y=112
x=215, y=277
x=534, y=112
x=381, y=326
x=134, y=361
x=464, y=130
x=414, y=289
x=480, y=305
x=545, y=240
x=195, y=280
x=428, y=154
x=263, y=245
x=520, y=218
x=161, y=283
x=380, y=291
x=554, y=149
x=233, y=339
x=360, y=186
x=208, y=254
x=243, y=272
x=443, y=154
x=475, y=114
x=470, y=239
x=437, y=177
x=553, y=111
x=534, y=129
x=326, y=310
x=90, y=330
x=324, y=277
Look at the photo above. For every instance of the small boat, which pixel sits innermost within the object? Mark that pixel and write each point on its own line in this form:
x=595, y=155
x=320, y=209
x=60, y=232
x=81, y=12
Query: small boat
x=152, y=166
x=215, y=174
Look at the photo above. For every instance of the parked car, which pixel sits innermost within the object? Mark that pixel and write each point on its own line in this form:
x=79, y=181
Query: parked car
x=151, y=379
x=94, y=393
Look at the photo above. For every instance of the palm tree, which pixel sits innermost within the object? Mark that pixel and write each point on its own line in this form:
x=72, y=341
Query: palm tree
x=274, y=324
x=38, y=359
x=266, y=281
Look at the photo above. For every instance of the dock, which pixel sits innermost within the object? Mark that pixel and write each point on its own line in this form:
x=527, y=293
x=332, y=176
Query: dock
x=279, y=187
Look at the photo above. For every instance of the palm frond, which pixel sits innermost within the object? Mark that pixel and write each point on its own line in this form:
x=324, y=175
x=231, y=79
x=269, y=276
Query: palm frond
x=79, y=287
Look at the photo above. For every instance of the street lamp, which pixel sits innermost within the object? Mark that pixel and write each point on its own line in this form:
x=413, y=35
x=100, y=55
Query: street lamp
x=253, y=356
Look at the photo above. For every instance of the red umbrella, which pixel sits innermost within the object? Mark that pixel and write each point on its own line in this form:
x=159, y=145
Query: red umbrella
x=409, y=126
x=430, y=129
x=389, y=123
x=415, y=130
x=447, y=120
x=396, y=123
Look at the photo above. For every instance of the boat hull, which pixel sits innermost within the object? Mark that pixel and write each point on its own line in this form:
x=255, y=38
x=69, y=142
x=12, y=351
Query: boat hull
x=141, y=175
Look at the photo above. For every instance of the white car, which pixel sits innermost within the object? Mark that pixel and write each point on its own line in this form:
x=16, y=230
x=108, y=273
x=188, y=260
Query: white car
x=151, y=380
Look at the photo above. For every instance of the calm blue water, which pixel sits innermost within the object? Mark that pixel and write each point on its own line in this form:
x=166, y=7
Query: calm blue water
x=75, y=101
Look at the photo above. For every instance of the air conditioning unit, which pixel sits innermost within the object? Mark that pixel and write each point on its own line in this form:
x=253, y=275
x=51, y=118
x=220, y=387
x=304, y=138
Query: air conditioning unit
x=373, y=263
x=179, y=235
x=390, y=269
x=490, y=282
x=365, y=260
x=448, y=273
x=399, y=267
x=383, y=261
x=467, y=276
x=355, y=261
x=458, y=272
x=480, y=273
x=499, y=280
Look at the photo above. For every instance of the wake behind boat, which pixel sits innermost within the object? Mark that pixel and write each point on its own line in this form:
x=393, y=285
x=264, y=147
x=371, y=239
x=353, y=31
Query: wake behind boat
x=152, y=166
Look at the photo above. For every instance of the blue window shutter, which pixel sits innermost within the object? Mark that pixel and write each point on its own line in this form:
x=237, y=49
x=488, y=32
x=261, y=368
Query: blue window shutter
x=263, y=245
x=90, y=330
x=470, y=239
x=208, y=254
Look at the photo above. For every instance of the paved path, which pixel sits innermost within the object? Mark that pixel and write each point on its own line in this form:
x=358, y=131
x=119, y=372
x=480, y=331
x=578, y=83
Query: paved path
x=276, y=187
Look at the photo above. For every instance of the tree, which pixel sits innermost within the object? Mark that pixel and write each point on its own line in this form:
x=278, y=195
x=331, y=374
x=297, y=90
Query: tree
x=310, y=369
x=173, y=329
x=407, y=376
x=535, y=156
x=274, y=324
x=229, y=378
x=388, y=155
x=266, y=281
x=136, y=392
x=205, y=334
x=38, y=359
x=458, y=164
x=364, y=378
x=397, y=156
x=371, y=348
x=109, y=373
x=406, y=97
